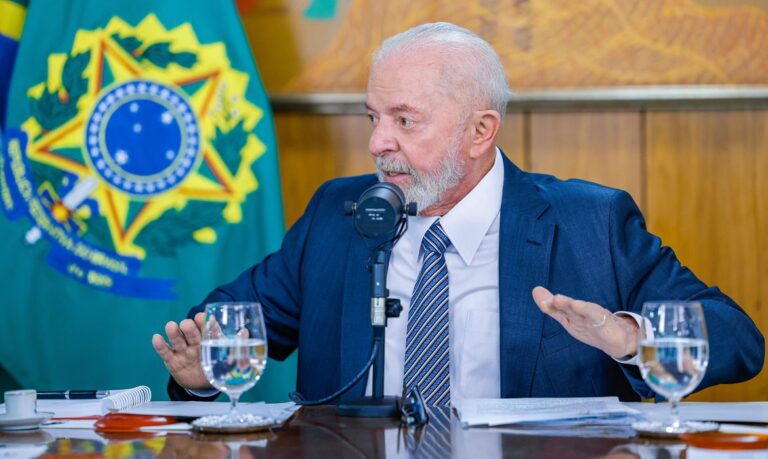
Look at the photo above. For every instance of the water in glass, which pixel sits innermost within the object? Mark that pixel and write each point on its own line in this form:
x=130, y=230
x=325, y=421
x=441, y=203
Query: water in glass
x=673, y=367
x=233, y=365
x=673, y=356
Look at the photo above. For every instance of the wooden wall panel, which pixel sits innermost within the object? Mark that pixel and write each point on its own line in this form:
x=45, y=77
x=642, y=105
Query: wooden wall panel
x=597, y=146
x=707, y=198
x=315, y=148
x=513, y=138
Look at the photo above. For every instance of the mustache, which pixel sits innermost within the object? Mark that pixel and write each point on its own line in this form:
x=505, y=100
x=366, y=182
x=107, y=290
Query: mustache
x=384, y=164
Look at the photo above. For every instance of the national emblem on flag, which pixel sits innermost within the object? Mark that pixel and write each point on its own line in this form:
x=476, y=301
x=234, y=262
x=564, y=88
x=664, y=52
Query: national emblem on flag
x=139, y=141
x=138, y=171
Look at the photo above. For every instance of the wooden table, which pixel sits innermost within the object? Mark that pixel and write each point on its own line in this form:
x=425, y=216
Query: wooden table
x=319, y=432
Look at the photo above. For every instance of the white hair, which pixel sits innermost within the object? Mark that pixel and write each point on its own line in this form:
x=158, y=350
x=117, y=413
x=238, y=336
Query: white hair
x=477, y=61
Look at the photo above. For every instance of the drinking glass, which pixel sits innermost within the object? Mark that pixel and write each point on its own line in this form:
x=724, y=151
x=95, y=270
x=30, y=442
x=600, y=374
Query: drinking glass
x=673, y=361
x=233, y=355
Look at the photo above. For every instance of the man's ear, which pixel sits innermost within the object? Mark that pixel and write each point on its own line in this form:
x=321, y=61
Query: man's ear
x=486, y=125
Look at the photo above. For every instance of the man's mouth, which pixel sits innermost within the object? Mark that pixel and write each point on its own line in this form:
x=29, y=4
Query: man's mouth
x=394, y=173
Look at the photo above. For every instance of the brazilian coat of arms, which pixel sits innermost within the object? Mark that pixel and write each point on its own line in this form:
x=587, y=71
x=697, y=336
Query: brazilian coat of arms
x=139, y=142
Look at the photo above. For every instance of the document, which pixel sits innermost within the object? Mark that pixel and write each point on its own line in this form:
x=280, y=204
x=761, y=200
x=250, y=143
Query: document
x=496, y=412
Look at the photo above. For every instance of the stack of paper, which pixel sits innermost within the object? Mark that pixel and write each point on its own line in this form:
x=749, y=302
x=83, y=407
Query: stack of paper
x=542, y=411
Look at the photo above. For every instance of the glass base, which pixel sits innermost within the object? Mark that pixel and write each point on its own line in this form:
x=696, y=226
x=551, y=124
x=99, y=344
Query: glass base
x=237, y=423
x=663, y=429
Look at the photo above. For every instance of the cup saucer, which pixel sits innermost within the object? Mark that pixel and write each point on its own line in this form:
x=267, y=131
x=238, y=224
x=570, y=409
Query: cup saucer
x=25, y=422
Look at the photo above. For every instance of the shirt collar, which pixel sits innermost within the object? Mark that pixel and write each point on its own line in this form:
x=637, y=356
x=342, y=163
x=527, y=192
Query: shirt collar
x=468, y=221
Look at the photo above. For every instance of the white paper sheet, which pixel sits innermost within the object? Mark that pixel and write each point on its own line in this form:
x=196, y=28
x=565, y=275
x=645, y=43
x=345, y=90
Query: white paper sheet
x=494, y=412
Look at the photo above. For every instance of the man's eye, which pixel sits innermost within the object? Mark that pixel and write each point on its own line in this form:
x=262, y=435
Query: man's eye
x=372, y=118
x=406, y=122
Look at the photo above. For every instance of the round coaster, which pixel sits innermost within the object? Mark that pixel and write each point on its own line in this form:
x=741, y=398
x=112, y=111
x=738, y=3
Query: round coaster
x=223, y=425
x=658, y=429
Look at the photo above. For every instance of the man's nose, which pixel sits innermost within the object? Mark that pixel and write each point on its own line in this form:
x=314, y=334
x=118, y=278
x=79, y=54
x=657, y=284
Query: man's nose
x=383, y=140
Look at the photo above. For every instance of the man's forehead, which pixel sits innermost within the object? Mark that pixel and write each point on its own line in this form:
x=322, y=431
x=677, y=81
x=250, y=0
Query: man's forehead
x=393, y=106
x=398, y=86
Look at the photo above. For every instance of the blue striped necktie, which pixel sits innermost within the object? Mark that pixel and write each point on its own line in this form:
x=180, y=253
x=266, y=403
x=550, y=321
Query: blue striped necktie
x=427, y=362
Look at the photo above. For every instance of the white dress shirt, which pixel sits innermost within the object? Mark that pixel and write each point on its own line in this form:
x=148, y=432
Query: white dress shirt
x=473, y=290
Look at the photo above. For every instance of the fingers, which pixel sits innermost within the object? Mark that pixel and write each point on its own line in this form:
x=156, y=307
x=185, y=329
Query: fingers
x=543, y=299
x=191, y=332
x=583, y=309
x=565, y=309
x=590, y=323
x=200, y=320
x=244, y=333
x=175, y=336
x=161, y=347
x=577, y=309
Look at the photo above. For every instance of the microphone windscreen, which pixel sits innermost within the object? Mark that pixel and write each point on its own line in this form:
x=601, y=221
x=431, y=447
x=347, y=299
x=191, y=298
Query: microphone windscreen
x=379, y=210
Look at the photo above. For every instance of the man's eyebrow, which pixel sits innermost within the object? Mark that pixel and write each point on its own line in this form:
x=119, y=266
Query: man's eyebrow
x=404, y=108
x=400, y=108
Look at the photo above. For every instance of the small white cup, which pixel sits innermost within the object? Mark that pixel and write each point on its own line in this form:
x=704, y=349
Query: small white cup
x=21, y=403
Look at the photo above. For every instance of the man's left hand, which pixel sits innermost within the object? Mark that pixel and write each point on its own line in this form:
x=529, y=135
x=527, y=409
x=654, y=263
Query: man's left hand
x=591, y=323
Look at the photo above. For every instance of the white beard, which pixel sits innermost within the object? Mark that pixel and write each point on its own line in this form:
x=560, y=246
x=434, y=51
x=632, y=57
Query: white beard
x=428, y=188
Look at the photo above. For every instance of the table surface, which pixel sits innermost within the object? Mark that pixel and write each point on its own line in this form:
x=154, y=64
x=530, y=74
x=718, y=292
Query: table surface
x=320, y=432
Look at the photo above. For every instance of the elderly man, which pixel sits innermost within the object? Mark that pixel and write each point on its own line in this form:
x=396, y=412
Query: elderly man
x=472, y=268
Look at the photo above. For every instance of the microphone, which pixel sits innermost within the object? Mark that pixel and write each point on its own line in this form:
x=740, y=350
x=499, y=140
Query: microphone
x=380, y=210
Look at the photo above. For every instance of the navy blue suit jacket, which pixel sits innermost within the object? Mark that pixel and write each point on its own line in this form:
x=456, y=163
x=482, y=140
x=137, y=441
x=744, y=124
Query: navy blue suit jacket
x=573, y=237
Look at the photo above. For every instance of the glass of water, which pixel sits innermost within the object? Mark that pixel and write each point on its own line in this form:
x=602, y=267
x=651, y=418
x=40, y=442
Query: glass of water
x=674, y=353
x=233, y=355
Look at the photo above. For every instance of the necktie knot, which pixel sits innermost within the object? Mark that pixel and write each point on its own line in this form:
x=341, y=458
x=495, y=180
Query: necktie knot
x=436, y=241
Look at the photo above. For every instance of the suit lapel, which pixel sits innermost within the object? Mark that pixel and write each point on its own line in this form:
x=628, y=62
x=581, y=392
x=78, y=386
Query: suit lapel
x=356, y=329
x=525, y=244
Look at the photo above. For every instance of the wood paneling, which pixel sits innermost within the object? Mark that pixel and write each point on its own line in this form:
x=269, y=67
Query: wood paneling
x=316, y=148
x=513, y=139
x=707, y=198
x=600, y=147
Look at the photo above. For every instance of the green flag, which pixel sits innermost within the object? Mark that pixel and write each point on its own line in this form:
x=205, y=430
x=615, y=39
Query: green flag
x=139, y=171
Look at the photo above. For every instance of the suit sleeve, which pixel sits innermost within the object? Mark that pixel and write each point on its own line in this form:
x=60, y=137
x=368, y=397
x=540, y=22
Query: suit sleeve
x=647, y=271
x=275, y=282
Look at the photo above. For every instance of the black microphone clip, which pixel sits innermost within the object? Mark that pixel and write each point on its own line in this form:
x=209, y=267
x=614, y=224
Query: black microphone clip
x=380, y=210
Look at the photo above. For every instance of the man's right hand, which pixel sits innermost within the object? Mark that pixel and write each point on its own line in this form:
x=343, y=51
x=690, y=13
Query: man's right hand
x=182, y=357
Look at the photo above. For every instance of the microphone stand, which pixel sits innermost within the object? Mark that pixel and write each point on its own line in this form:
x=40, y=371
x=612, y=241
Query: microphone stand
x=382, y=307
